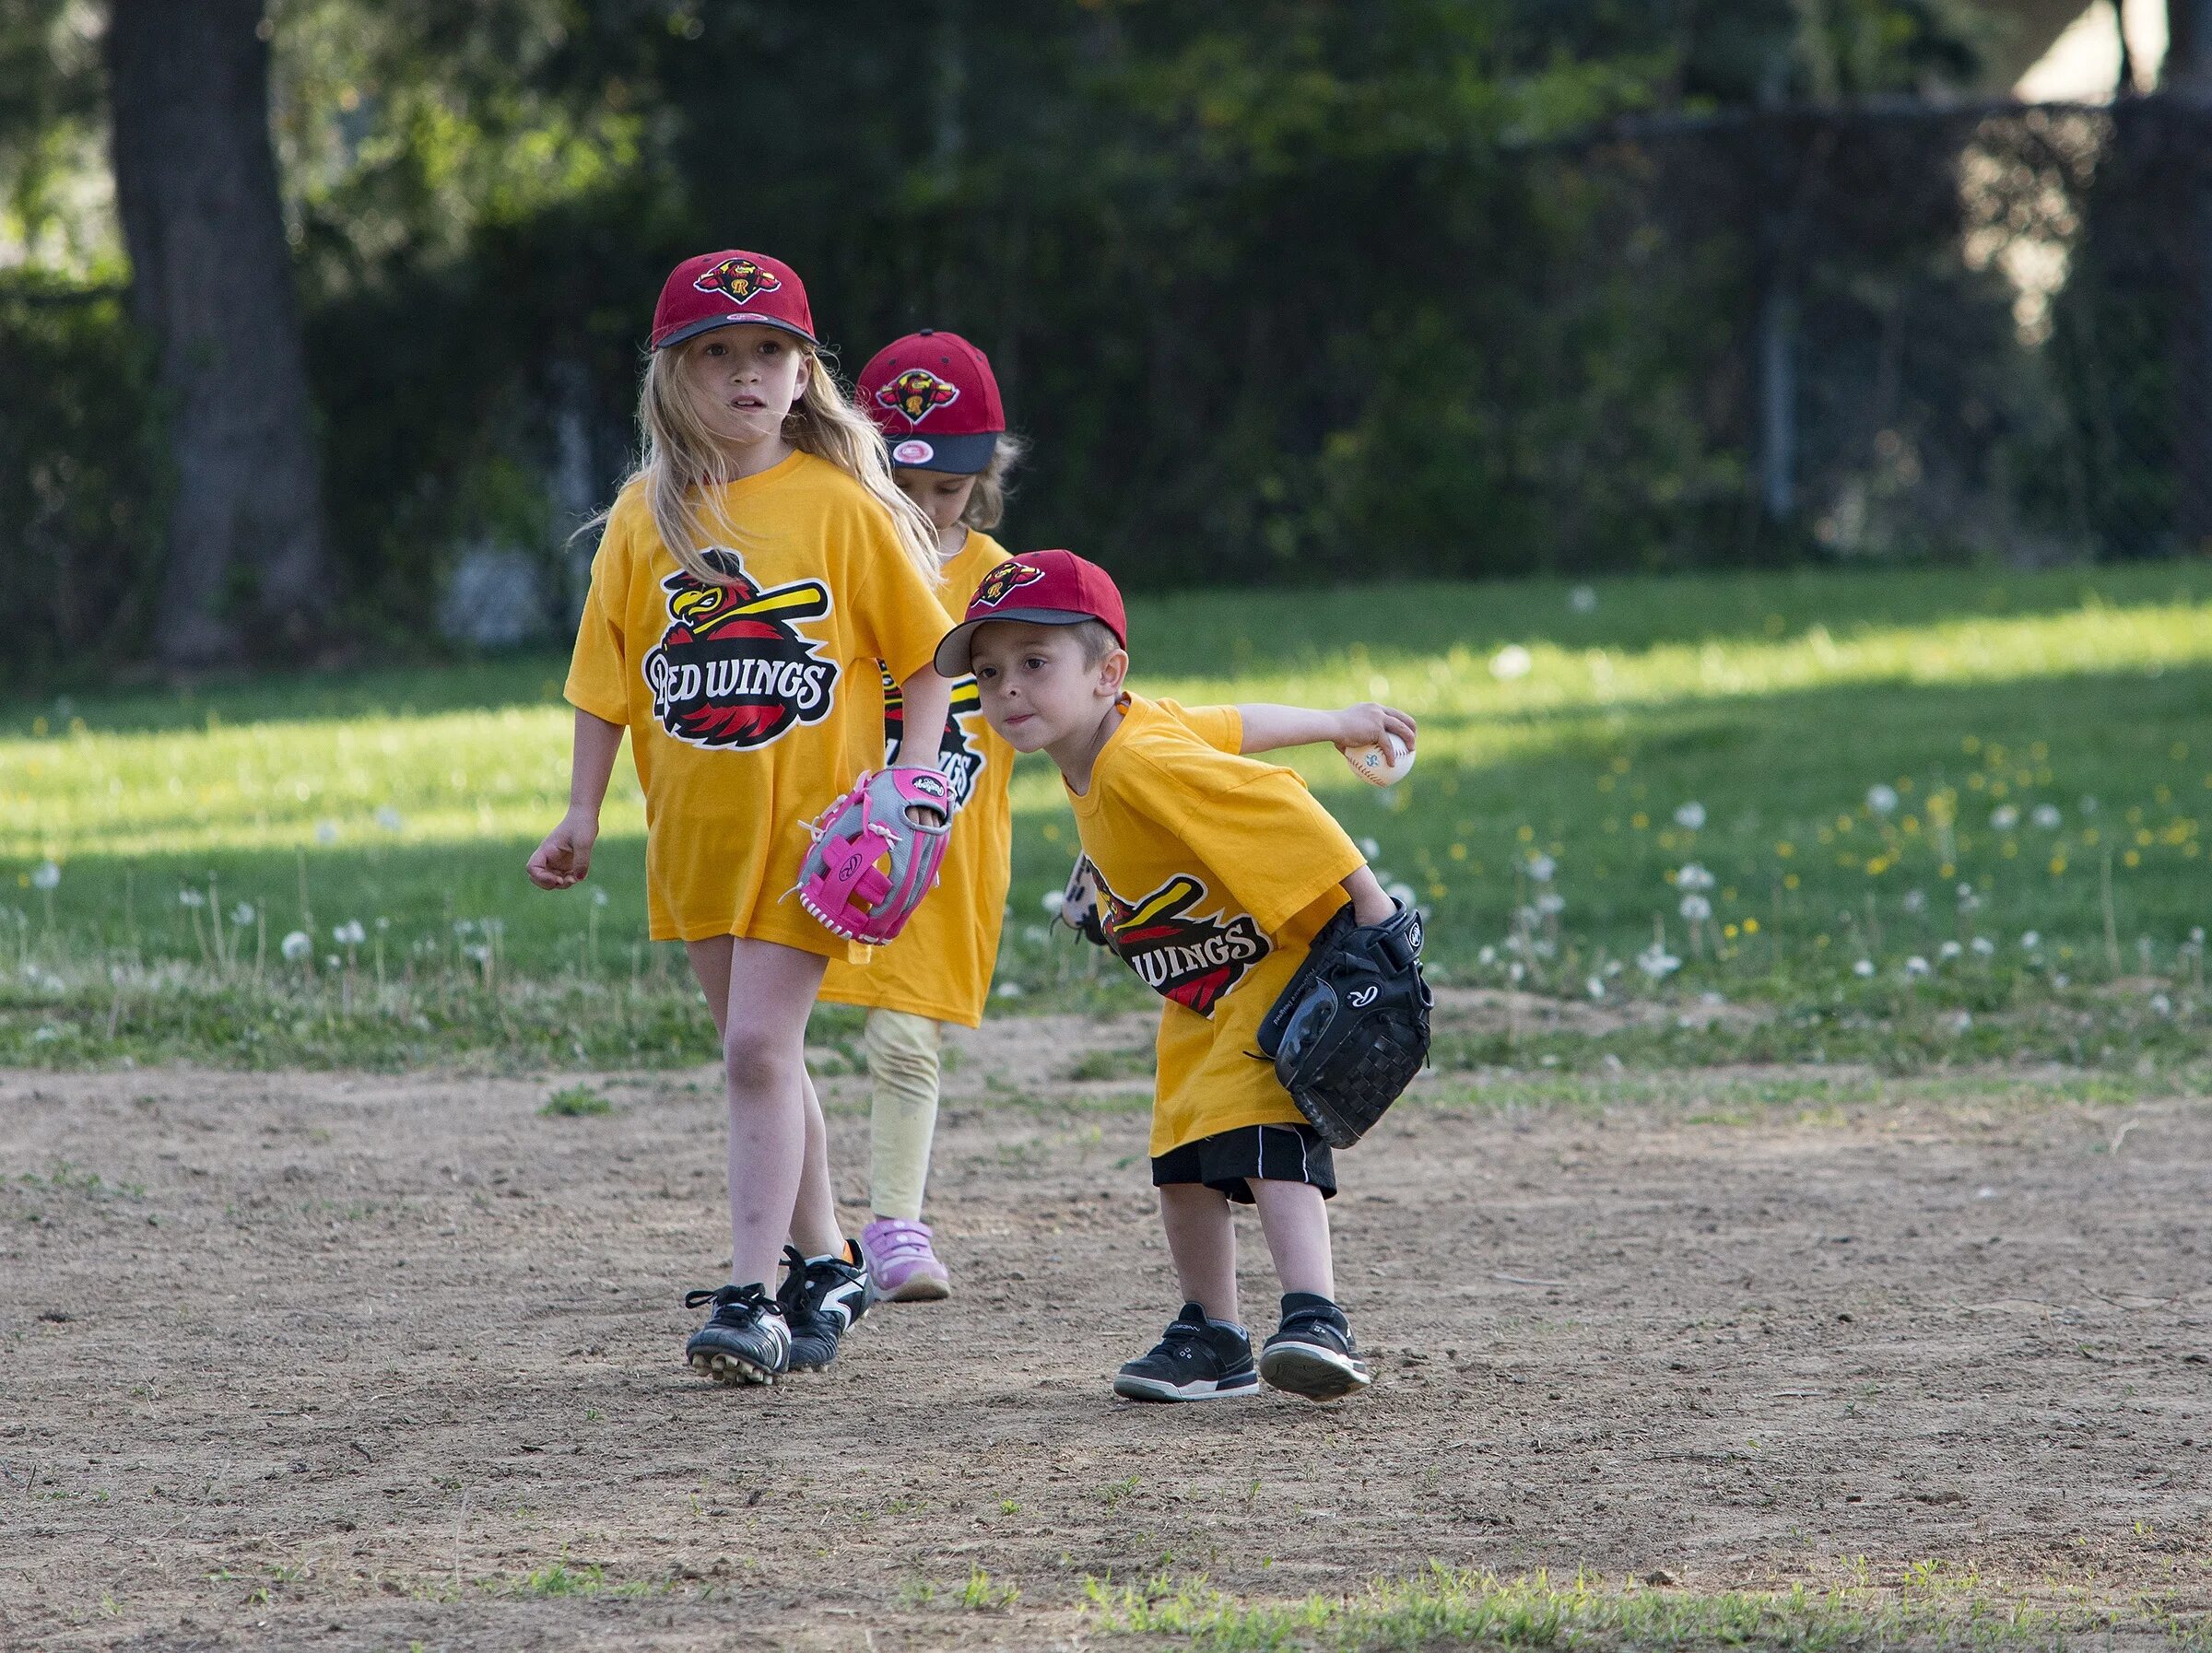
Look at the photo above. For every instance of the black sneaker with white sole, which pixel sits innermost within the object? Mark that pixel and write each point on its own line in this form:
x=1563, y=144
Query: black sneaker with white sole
x=1314, y=1354
x=820, y=1300
x=1197, y=1360
x=744, y=1341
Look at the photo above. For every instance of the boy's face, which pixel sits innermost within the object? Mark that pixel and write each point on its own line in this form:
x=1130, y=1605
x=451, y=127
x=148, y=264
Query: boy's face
x=942, y=494
x=1037, y=689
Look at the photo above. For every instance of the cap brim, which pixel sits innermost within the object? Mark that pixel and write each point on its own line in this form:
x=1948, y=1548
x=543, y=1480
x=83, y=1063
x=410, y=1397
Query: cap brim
x=691, y=329
x=960, y=455
x=956, y=654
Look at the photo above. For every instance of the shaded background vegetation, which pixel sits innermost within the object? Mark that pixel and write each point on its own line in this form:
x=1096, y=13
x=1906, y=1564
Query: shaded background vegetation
x=1285, y=292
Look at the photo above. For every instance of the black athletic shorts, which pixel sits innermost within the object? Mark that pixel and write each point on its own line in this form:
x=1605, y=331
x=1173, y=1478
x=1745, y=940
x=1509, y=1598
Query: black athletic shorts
x=1272, y=1153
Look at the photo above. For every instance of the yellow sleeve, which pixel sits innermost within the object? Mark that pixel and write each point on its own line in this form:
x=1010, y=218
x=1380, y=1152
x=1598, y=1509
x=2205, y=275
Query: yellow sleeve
x=1220, y=727
x=901, y=619
x=1259, y=829
x=599, y=668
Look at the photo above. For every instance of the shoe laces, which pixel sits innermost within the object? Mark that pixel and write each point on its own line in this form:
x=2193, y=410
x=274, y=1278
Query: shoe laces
x=733, y=1305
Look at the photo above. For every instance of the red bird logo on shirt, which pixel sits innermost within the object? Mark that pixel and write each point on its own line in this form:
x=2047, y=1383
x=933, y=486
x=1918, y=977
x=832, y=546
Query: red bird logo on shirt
x=732, y=669
x=1193, y=959
x=1003, y=581
x=917, y=393
x=740, y=279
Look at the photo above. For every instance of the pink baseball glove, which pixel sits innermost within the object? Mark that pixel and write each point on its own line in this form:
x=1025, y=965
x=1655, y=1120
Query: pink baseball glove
x=872, y=862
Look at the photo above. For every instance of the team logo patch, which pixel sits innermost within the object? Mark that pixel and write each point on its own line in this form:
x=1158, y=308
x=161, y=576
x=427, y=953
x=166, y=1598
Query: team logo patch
x=1193, y=958
x=959, y=760
x=917, y=393
x=733, y=669
x=739, y=279
x=1003, y=581
x=912, y=452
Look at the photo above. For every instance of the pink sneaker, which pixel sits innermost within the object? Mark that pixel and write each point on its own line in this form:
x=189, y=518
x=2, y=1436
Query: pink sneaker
x=902, y=1266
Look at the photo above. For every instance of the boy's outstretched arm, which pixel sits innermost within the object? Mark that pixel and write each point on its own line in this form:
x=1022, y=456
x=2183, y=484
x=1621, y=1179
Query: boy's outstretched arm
x=1370, y=905
x=1268, y=727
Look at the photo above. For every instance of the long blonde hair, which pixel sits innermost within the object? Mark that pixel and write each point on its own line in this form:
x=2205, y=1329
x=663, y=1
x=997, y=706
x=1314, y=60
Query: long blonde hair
x=682, y=460
x=987, y=501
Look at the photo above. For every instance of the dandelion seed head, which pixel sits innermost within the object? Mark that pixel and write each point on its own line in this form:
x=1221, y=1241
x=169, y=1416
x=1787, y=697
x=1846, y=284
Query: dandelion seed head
x=2004, y=817
x=1694, y=877
x=1915, y=901
x=45, y=875
x=2030, y=941
x=349, y=933
x=1541, y=868
x=1657, y=963
x=1864, y=967
x=1696, y=908
x=1369, y=848
x=2046, y=816
x=243, y=914
x=188, y=897
x=1983, y=947
x=1583, y=599
x=1916, y=965
x=1551, y=902
x=1950, y=950
x=1511, y=662
x=296, y=946
x=1881, y=798
x=1691, y=815
x=1594, y=987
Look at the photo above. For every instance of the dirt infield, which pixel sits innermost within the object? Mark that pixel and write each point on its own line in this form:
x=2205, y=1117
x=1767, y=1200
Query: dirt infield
x=365, y=1362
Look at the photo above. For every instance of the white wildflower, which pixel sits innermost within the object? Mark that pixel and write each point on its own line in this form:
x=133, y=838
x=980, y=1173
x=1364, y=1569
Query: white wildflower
x=1864, y=967
x=2061, y=979
x=476, y=950
x=2160, y=1005
x=2004, y=817
x=1489, y=955
x=1691, y=815
x=2046, y=816
x=1369, y=848
x=1916, y=965
x=599, y=898
x=1881, y=798
x=1657, y=963
x=1512, y=661
x=1011, y=989
x=1949, y=951
x=2088, y=806
x=188, y=897
x=1401, y=893
x=1052, y=902
x=349, y=933
x=243, y=914
x=1962, y=1022
x=1551, y=903
x=1694, y=877
x=1541, y=868
x=1583, y=599
x=1967, y=900
x=298, y=945
x=1696, y=908
x=45, y=875
x=1982, y=946
x=1915, y=901
x=1595, y=987
x=2030, y=941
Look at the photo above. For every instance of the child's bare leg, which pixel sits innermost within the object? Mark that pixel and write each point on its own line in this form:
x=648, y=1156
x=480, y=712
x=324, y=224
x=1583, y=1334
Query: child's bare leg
x=760, y=994
x=1203, y=1245
x=814, y=1225
x=1295, y=1222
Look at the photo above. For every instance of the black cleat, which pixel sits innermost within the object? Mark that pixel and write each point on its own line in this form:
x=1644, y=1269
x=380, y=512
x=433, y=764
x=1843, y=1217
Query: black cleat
x=1314, y=1354
x=820, y=1301
x=745, y=1340
x=1196, y=1360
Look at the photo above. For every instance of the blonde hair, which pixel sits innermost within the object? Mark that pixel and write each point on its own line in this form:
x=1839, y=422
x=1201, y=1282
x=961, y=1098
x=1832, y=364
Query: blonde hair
x=682, y=460
x=987, y=504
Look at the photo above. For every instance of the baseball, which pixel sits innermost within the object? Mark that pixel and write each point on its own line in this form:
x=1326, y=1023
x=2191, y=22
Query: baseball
x=1382, y=765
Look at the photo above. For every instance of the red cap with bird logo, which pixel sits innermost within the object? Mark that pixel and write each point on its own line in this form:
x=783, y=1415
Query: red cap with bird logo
x=935, y=400
x=1043, y=588
x=730, y=289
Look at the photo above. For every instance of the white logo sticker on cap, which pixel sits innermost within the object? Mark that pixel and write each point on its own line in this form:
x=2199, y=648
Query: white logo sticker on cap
x=912, y=452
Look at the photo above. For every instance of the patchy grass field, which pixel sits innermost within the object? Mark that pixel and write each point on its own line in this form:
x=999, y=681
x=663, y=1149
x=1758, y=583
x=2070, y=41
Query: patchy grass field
x=1872, y=794
x=1791, y=1357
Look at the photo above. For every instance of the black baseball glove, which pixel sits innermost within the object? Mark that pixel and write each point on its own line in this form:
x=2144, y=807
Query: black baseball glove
x=1351, y=1029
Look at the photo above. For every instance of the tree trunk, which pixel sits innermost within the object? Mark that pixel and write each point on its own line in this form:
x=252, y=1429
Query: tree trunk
x=2188, y=82
x=195, y=185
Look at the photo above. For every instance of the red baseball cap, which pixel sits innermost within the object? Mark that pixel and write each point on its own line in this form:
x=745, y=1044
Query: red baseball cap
x=935, y=400
x=1043, y=588
x=729, y=290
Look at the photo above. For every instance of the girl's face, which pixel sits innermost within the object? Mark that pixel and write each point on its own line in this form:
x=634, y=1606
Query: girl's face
x=743, y=381
x=942, y=494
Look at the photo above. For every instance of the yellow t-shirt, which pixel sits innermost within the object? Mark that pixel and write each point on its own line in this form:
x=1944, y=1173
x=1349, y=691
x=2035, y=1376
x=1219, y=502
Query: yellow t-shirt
x=1216, y=872
x=739, y=698
x=940, y=966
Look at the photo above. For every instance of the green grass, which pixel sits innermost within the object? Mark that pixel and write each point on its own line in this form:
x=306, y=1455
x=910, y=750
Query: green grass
x=1931, y=1605
x=576, y=1102
x=406, y=803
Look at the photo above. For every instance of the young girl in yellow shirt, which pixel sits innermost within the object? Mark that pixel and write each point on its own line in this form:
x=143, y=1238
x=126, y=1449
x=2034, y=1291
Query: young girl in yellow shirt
x=934, y=398
x=753, y=571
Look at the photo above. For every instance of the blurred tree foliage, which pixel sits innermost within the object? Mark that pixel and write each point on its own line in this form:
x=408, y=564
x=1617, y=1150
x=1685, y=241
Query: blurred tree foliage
x=1273, y=285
